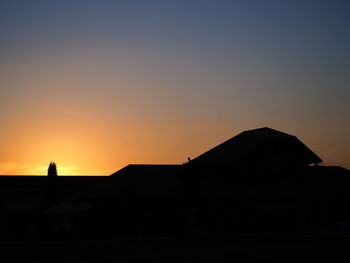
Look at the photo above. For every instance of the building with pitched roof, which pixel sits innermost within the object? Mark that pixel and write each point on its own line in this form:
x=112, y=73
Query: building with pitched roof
x=259, y=180
x=259, y=149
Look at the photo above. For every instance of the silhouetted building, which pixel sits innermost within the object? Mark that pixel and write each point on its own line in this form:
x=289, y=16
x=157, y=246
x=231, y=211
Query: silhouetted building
x=136, y=200
x=259, y=150
x=23, y=197
x=260, y=180
x=24, y=193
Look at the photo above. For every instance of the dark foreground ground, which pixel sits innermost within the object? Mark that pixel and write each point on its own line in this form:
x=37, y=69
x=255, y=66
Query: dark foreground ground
x=259, y=248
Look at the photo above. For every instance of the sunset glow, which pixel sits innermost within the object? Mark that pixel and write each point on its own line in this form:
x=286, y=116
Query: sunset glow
x=96, y=86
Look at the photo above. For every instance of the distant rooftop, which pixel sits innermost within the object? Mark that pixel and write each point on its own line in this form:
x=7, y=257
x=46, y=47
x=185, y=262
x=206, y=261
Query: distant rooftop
x=147, y=169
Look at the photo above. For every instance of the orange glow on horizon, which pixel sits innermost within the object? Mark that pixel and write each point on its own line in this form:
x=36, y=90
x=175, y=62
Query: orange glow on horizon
x=17, y=169
x=96, y=117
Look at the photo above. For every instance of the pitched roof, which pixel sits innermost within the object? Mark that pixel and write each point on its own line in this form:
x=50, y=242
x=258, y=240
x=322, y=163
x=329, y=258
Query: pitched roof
x=133, y=179
x=240, y=147
x=69, y=207
x=148, y=179
x=141, y=179
x=148, y=169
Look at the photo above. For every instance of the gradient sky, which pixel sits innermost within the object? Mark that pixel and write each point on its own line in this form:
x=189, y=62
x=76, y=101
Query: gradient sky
x=96, y=85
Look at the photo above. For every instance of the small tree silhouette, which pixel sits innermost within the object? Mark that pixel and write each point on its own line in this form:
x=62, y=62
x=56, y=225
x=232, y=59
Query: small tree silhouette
x=52, y=170
x=51, y=193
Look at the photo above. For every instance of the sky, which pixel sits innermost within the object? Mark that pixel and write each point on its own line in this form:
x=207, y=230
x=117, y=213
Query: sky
x=96, y=85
